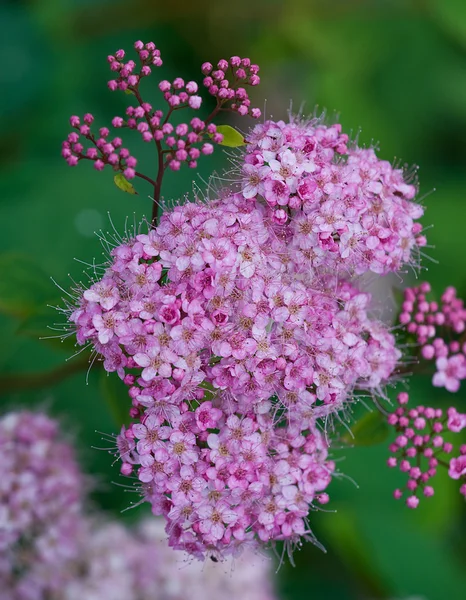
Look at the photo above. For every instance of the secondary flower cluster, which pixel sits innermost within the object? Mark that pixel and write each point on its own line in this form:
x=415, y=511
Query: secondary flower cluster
x=51, y=550
x=121, y=564
x=420, y=447
x=41, y=493
x=348, y=210
x=176, y=145
x=437, y=329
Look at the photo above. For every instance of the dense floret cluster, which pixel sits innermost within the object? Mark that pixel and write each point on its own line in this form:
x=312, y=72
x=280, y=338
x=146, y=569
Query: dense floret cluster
x=231, y=352
x=348, y=210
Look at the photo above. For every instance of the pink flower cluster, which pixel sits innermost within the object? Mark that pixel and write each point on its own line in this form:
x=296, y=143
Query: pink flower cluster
x=347, y=210
x=102, y=151
x=176, y=144
x=437, y=329
x=130, y=74
x=227, y=80
x=41, y=492
x=231, y=352
x=51, y=550
x=420, y=447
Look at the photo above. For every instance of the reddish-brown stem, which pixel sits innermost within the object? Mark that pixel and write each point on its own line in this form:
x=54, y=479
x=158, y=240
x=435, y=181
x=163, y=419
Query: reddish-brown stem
x=142, y=176
x=158, y=185
x=161, y=167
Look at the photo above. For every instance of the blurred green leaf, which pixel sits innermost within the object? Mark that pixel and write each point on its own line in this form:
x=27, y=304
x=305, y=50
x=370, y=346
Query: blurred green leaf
x=451, y=14
x=231, y=137
x=122, y=183
x=346, y=540
x=47, y=325
x=23, y=285
x=369, y=430
x=115, y=394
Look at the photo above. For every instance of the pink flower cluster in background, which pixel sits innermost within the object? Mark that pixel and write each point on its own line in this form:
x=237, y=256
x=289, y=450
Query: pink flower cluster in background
x=50, y=549
x=421, y=446
x=437, y=328
x=41, y=496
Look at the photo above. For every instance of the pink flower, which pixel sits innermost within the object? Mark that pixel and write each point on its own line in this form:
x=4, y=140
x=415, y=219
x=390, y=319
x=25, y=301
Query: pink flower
x=457, y=467
x=104, y=293
x=450, y=371
x=207, y=416
x=214, y=517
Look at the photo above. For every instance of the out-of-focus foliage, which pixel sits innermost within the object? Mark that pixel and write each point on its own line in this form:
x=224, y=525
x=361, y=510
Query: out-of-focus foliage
x=395, y=70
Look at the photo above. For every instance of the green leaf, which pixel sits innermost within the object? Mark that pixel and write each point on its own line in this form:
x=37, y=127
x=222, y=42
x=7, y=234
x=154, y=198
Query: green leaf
x=231, y=137
x=23, y=285
x=122, y=183
x=371, y=429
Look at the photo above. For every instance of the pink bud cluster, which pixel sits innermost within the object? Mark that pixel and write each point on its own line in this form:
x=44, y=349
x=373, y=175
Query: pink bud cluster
x=102, y=150
x=438, y=329
x=227, y=80
x=184, y=142
x=420, y=447
x=41, y=493
x=176, y=144
x=129, y=73
x=347, y=210
x=231, y=353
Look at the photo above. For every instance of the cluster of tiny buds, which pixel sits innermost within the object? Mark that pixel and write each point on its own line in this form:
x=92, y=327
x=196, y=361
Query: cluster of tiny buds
x=102, y=151
x=176, y=144
x=219, y=86
x=179, y=139
x=437, y=328
x=128, y=78
x=419, y=446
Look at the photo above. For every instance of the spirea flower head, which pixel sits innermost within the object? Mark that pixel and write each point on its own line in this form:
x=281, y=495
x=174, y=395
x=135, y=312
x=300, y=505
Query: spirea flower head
x=231, y=352
x=347, y=210
x=41, y=492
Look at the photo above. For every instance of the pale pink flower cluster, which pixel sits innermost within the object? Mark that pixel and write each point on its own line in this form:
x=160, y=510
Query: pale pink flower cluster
x=41, y=493
x=420, y=447
x=119, y=564
x=51, y=550
x=348, y=210
x=232, y=352
x=437, y=329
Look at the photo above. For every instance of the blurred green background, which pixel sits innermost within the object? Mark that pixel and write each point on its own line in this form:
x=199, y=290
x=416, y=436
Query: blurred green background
x=394, y=68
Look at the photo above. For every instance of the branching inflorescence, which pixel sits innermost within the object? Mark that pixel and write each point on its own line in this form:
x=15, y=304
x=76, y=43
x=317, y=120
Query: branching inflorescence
x=239, y=324
x=184, y=143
